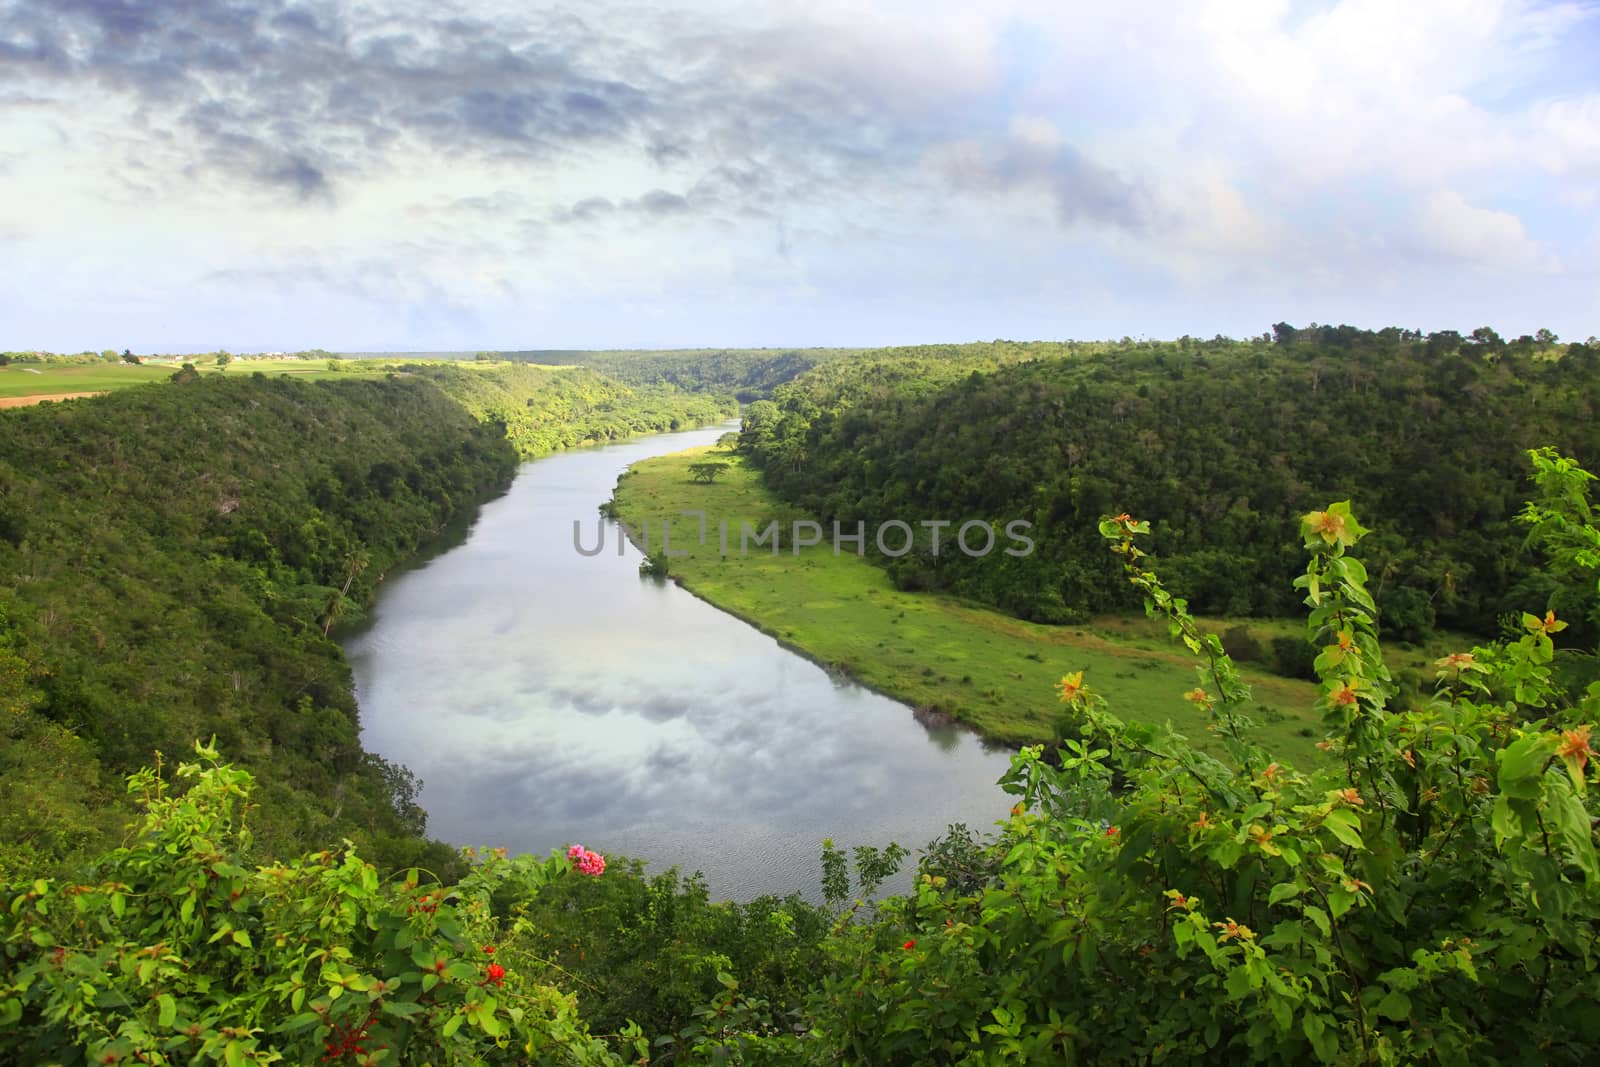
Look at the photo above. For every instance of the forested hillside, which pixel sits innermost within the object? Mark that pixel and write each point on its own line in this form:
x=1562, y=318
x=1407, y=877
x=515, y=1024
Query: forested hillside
x=1220, y=444
x=747, y=373
x=542, y=410
x=173, y=560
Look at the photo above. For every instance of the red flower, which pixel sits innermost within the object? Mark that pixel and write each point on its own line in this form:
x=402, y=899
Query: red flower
x=909, y=945
x=1112, y=831
x=496, y=973
x=489, y=949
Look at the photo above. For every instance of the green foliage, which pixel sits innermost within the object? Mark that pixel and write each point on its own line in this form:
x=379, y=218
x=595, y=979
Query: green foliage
x=654, y=950
x=171, y=556
x=1430, y=894
x=655, y=565
x=706, y=472
x=541, y=411
x=178, y=951
x=749, y=374
x=1220, y=444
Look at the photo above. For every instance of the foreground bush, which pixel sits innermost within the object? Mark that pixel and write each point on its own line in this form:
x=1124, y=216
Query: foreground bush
x=1429, y=893
x=174, y=952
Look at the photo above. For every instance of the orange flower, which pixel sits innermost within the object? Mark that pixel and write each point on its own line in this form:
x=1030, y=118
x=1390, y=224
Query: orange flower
x=1326, y=524
x=1352, y=797
x=1344, y=694
x=1124, y=520
x=1202, y=823
x=1271, y=773
x=1575, y=746
x=1198, y=697
x=1410, y=757
x=1071, y=687
x=1347, y=641
x=1231, y=929
x=1456, y=661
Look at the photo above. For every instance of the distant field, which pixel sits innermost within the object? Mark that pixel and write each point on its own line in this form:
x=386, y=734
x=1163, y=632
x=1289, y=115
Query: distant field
x=18, y=380
x=989, y=670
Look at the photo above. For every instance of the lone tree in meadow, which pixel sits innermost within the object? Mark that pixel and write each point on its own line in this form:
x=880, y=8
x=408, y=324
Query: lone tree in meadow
x=706, y=472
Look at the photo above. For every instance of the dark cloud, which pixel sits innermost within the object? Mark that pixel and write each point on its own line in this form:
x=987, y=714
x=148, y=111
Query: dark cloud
x=1083, y=190
x=593, y=207
x=305, y=97
x=295, y=96
x=660, y=202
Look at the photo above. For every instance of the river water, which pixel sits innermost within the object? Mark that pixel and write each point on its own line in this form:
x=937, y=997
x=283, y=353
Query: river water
x=545, y=698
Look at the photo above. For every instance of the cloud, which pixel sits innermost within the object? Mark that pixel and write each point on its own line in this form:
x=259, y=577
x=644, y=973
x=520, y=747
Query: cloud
x=935, y=164
x=1448, y=225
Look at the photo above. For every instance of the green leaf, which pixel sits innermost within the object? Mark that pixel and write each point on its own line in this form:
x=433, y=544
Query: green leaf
x=451, y=1025
x=166, y=1010
x=1345, y=825
x=1324, y=1039
x=1283, y=891
x=1521, y=764
x=404, y=1009
x=1395, y=1005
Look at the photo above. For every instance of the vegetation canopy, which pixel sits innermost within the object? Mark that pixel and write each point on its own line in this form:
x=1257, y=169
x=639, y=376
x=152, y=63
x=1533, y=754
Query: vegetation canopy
x=1428, y=892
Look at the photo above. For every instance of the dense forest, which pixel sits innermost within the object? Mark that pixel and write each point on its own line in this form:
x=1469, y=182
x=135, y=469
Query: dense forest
x=1220, y=444
x=173, y=560
x=747, y=373
x=541, y=411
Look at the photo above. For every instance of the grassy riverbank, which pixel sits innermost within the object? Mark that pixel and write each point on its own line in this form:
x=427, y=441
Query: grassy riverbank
x=986, y=669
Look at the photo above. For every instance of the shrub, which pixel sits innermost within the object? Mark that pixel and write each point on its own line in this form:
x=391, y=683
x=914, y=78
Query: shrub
x=1241, y=643
x=178, y=952
x=1428, y=893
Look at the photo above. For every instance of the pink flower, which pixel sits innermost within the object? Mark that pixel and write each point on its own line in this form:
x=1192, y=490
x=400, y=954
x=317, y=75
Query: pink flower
x=590, y=863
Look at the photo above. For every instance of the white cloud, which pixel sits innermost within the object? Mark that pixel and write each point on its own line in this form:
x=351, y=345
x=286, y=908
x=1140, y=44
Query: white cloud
x=1449, y=225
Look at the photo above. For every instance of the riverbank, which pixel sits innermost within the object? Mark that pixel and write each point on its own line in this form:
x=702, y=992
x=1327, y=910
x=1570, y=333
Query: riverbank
x=989, y=671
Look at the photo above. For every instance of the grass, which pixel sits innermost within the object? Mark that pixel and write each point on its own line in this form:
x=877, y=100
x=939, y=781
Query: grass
x=993, y=672
x=35, y=379
x=39, y=379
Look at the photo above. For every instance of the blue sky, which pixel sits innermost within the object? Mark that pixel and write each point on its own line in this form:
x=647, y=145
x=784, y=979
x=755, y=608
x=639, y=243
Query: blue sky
x=397, y=174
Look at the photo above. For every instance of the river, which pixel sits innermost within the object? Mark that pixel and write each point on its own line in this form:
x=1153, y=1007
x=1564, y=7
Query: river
x=545, y=698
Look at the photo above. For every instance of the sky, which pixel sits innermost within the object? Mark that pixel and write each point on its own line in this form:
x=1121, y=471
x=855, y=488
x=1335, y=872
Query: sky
x=431, y=175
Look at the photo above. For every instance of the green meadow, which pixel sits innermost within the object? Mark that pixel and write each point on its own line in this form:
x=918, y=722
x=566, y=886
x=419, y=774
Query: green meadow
x=41, y=379
x=36, y=379
x=988, y=670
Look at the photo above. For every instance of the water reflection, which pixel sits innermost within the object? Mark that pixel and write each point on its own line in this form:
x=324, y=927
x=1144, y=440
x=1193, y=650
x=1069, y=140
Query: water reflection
x=546, y=697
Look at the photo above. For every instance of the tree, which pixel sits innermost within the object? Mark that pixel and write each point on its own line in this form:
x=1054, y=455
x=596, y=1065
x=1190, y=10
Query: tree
x=706, y=472
x=223, y=359
x=1487, y=337
x=110, y=355
x=129, y=357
